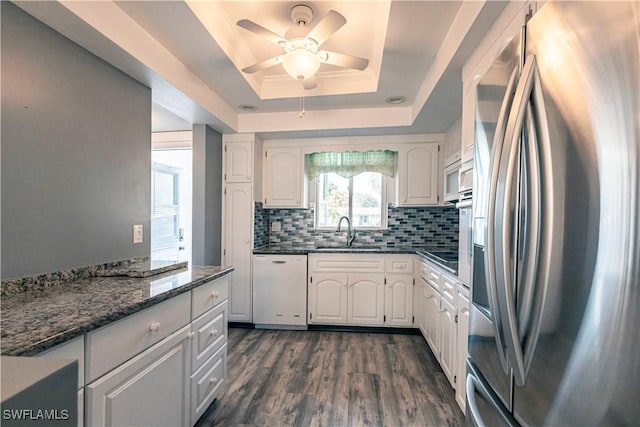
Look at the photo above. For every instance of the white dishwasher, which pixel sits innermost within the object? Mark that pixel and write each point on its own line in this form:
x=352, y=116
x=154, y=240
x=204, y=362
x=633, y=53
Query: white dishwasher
x=280, y=291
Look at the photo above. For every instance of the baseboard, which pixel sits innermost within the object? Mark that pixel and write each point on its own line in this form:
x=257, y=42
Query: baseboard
x=369, y=329
x=242, y=325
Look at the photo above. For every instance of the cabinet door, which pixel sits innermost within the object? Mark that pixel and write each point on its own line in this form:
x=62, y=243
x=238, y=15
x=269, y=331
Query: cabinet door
x=432, y=319
x=448, y=334
x=238, y=158
x=328, y=298
x=463, y=348
x=237, y=250
x=366, y=299
x=468, y=118
x=398, y=300
x=283, y=178
x=418, y=175
x=149, y=390
x=422, y=306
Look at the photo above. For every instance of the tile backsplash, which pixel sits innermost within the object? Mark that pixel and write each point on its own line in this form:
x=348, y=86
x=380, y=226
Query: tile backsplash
x=414, y=226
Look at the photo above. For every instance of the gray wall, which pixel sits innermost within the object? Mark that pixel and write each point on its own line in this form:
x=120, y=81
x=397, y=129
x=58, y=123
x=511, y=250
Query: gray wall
x=76, y=153
x=207, y=195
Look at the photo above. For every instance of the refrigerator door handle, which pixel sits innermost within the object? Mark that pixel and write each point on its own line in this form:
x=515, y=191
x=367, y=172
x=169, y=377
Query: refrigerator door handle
x=490, y=252
x=532, y=228
x=539, y=263
x=506, y=293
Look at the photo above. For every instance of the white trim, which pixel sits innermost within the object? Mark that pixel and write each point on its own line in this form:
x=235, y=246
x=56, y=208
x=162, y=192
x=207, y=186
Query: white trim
x=172, y=140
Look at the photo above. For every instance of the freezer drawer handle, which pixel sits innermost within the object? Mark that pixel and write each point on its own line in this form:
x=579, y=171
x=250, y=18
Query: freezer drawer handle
x=476, y=419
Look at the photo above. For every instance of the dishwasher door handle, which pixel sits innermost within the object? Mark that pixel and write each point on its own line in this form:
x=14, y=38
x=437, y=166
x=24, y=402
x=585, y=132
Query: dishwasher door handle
x=277, y=261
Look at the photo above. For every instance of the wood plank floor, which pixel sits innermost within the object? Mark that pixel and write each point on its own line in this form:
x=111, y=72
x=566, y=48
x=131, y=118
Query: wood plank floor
x=321, y=378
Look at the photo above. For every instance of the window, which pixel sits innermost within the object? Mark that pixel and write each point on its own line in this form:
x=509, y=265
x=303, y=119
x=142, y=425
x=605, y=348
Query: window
x=362, y=198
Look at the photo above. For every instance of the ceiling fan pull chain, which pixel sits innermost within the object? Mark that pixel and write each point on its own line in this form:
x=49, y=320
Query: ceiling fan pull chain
x=301, y=102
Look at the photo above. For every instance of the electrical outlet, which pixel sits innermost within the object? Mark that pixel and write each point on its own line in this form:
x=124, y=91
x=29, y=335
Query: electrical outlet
x=275, y=226
x=137, y=233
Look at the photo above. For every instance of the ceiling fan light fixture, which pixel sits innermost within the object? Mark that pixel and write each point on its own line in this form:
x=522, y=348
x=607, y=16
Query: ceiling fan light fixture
x=301, y=63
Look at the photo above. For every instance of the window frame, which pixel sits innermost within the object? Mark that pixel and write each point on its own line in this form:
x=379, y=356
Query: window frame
x=384, y=208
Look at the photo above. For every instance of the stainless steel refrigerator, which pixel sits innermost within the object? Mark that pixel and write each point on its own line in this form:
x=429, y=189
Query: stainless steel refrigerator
x=555, y=319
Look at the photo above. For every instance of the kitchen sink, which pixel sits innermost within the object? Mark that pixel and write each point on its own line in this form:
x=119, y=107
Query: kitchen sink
x=354, y=248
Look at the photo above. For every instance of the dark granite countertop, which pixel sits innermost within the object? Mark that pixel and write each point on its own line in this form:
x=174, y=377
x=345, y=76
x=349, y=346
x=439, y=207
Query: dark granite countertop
x=36, y=320
x=142, y=268
x=284, y=249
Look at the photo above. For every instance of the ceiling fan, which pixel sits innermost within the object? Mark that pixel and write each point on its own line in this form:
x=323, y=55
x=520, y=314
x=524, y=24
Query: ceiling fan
x=302, y=57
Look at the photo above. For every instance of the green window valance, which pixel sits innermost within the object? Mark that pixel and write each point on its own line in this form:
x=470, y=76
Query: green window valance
x=351, y=163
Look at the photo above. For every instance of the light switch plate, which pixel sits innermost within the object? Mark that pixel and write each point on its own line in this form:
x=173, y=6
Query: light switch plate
x=137, y=233
x=275, y=226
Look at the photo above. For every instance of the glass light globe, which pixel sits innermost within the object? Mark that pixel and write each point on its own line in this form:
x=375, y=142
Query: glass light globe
x=301, y=64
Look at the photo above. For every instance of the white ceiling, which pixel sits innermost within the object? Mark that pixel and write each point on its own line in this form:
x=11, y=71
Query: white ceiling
x=190, y=52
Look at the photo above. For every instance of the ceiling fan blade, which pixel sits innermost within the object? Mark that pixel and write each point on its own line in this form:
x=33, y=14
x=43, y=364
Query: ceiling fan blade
x=261, y=31
x=329, y=24
x=310, y=83
x=342, y=60
x=268, y=63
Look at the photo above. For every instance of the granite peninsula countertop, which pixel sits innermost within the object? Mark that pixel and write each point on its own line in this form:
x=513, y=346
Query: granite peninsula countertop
x=38, y=319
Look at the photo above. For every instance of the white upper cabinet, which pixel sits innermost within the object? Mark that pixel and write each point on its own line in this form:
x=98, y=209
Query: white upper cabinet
x=284, y=178
x=238, y=161
x=452, y=144
x=467, y=138
x=418, y=171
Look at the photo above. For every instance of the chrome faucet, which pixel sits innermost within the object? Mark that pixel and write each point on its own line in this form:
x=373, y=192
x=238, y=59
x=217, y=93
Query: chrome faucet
x=351, y=233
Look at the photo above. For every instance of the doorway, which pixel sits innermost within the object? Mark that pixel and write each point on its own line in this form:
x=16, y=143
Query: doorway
x=171, y=194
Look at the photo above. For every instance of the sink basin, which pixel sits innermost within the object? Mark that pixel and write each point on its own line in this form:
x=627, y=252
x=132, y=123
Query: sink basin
x=355, y=248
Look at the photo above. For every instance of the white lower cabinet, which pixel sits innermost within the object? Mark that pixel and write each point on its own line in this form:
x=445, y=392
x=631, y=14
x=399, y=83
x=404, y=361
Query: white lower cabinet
x=170, y=374
x=365, y=297
x=328, y=298
x=444, y=322
x=463, y=345
x=150, y=389
x=398, y=300
x=362, y=290
x=431, y=318
x=448, y=338
x=206, y=382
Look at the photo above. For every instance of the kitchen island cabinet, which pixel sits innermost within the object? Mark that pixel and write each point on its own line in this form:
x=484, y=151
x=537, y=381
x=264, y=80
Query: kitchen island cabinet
x=151, y=389
x=152, y=350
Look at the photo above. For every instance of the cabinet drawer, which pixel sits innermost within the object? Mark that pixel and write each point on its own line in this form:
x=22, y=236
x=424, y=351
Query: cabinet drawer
x=111, y=345
x=210, y=333
x=206, y=383
x=431, y=276
x=348, y=263
x=207, y=296
x=448, y=287
x=399, y=265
